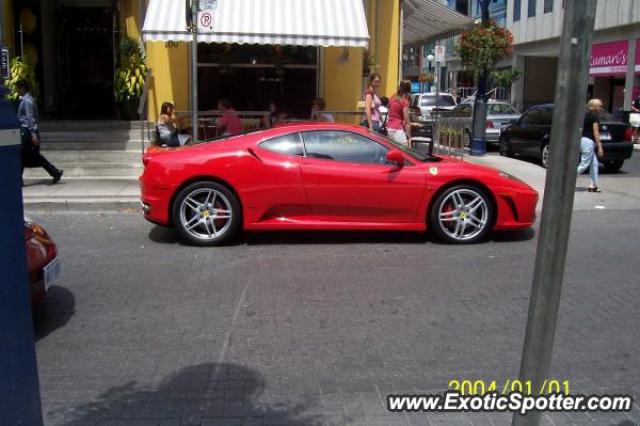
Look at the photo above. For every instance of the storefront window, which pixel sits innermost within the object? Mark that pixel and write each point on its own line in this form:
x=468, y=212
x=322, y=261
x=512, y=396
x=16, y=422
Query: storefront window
x=252, y=76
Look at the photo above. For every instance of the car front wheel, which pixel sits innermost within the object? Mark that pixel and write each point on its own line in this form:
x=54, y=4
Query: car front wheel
x=544, y=155
x=206, y=213
x=462, y=214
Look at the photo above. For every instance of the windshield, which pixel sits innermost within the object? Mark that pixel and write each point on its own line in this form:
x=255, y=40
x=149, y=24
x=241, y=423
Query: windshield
x=443, y=100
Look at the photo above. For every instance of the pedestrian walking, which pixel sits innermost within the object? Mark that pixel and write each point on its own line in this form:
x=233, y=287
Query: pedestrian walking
x=398, y=123
x=634, y=119
x=590, y=145
x=372, y=103
x=29, y=134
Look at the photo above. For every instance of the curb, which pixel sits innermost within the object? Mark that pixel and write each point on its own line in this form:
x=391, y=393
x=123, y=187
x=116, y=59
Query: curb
x=84, y=205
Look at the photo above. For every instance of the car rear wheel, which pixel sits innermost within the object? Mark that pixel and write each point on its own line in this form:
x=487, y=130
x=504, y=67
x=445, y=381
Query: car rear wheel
x=613, y=165
x=505, y=148
x=544, y=155
x=206, y=213
x=462, y=214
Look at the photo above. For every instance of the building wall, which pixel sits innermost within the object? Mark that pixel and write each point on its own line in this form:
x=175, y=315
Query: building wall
x=540, y=80
x=609, y=14
x=7, y=25
x=169, y=62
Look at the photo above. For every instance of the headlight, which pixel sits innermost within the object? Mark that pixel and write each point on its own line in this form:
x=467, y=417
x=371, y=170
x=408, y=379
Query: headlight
x=509, y=176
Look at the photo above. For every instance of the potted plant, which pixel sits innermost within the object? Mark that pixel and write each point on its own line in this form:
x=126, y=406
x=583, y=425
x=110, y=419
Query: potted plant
x=130, y=75
x=20, y=69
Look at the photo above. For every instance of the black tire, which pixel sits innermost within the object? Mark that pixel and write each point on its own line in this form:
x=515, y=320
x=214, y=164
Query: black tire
x=223, y=203
x=445, y=217
x=544, y=154
x=613, y=165
x=504, y=147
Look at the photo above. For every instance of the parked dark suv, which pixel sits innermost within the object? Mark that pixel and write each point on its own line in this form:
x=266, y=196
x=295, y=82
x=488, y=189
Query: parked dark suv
x=529, y=136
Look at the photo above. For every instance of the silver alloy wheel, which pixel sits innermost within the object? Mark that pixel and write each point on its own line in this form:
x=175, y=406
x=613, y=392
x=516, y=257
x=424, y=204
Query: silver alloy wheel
x=545, y=155
x=463, y=214
x=206, y=213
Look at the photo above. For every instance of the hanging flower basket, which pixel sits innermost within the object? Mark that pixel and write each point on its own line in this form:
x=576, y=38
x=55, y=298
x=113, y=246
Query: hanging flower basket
x=484, y=45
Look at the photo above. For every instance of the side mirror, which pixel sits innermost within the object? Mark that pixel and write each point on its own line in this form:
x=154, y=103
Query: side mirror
x=396, y=158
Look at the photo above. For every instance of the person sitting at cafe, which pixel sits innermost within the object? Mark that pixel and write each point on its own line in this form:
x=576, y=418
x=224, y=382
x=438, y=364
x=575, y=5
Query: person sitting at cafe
x=229, y=123
x=317, y=111
x=167, y=127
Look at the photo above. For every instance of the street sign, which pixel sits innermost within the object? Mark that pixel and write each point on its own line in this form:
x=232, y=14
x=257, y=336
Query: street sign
x=207, y=5
x=205, y=21
x=4, y=64
x=439, y=53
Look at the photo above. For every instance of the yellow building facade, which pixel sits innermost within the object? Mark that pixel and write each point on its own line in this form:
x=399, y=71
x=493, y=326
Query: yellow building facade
x=339, y=82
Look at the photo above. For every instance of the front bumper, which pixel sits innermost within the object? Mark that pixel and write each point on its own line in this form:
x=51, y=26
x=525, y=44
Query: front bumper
x=516, y=208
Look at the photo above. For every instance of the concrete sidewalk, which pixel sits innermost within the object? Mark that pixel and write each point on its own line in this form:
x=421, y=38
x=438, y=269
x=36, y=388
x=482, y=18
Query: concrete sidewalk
x=82, y=193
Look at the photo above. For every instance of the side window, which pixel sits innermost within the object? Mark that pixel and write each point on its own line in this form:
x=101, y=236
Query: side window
x=344, y=146
x=545, y=117
x=286, y=144
x=463, y=110
x=531, y=117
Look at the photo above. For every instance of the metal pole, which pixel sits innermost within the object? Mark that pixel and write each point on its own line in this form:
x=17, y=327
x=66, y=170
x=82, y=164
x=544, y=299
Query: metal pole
x=21, y=40
x=630, y=75
x=194, y=68
x=577, y=35
x=478, y=139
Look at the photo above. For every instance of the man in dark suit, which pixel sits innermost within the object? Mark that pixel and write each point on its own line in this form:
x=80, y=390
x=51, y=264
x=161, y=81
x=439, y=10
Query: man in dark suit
x=30, y=137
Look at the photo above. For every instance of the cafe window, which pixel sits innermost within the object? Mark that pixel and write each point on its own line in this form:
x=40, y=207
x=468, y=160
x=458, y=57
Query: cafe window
x=517, y=12
x=548, y=6
x=531, y=8
x=252, y=76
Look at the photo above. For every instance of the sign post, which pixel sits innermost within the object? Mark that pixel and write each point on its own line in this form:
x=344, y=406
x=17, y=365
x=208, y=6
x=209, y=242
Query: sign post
x=19, y=388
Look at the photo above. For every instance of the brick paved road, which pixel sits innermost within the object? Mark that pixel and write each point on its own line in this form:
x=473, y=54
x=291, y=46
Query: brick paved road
x=312, y=329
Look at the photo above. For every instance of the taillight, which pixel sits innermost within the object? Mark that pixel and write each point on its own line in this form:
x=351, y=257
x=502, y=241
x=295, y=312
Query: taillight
x=28, y=233
x=628, y=134
x=489, y=124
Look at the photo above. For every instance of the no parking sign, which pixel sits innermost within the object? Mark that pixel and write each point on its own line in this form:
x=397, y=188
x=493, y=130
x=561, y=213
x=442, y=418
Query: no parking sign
x=205, y=21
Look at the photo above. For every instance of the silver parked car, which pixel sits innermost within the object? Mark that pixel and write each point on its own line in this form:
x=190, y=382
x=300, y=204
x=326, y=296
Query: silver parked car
x=423, y=103
x=499, y=115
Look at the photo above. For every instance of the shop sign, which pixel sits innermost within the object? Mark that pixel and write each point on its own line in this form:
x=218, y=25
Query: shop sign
x=439, y=53
x=4, y=64
x=609, y=58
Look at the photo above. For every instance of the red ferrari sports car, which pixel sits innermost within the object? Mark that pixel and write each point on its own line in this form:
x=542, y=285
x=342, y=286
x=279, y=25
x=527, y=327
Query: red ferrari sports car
x=42, y=261
x=315, y=176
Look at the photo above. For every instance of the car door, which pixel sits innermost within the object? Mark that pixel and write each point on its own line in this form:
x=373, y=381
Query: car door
x=276, y=189
x=346, y=179
x=521, y=131
x=539, y=131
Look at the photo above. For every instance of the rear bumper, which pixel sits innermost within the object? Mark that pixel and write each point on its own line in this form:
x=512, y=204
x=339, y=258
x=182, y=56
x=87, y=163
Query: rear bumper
x=617, y=150
x=155, y=202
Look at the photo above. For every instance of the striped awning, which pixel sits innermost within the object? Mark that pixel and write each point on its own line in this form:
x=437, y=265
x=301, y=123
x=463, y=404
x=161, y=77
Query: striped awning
x=280, y=22
x=429, y=19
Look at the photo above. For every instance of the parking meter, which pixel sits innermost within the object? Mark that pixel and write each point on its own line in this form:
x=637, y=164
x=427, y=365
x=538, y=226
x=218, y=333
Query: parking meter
x=19, y=389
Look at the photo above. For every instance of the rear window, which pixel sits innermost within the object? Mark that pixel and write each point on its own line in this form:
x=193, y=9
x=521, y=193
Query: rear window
x=499, y=109
x=443, y=100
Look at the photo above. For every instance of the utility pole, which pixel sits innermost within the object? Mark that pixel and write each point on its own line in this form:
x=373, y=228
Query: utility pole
x=555, y=224
x=195, y=6
x=19, y=388
x=479, y=137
